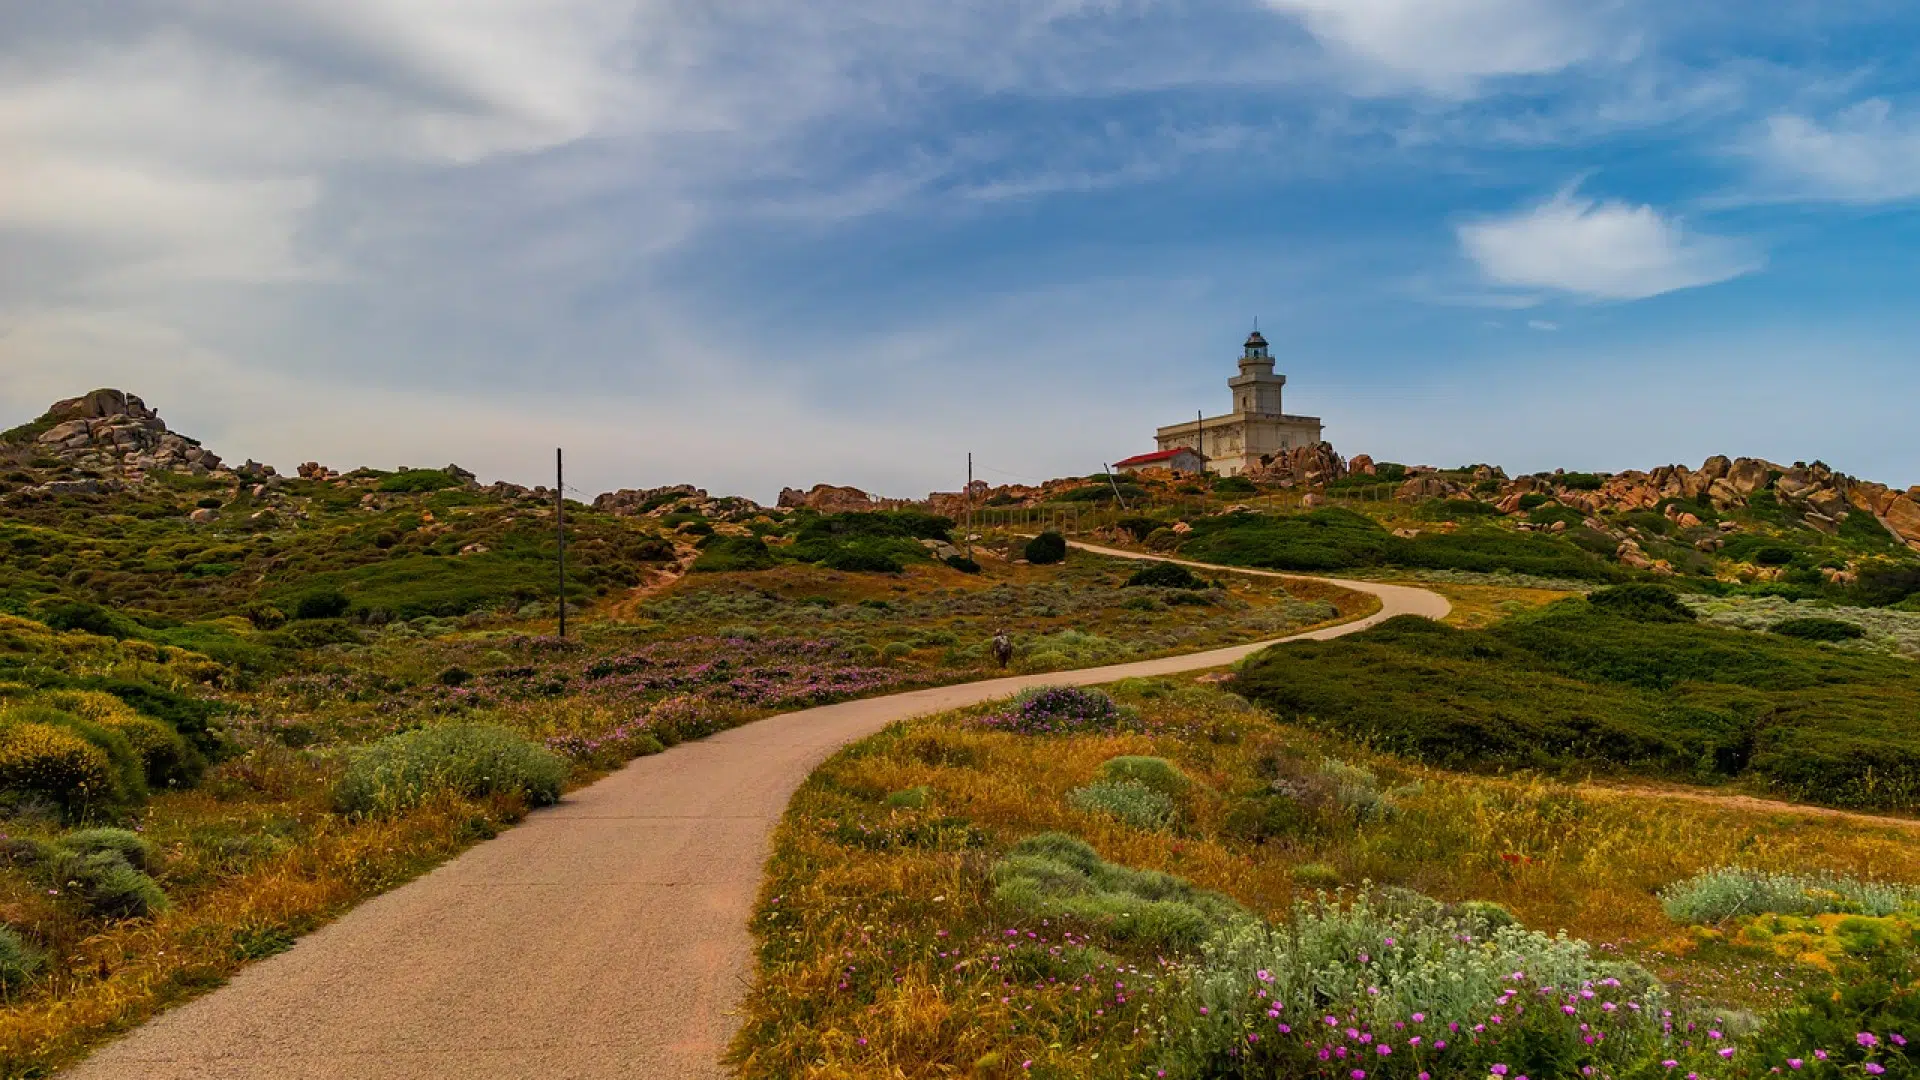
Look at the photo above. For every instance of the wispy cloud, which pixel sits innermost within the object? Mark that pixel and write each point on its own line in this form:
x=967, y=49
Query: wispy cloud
x=1450, y=46
x=1599, y=250
x=1868, y=152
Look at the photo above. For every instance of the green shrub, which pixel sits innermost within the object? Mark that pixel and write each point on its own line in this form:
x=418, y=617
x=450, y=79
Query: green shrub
x=734, y=553
x=1047, y=548
x=1814, y=628
x=963, y=564
x=126, y=845
x=1132, y=802
x=1164, y=575
x=20, y=963
x=861, y=558
x=1234, y=485
x=83, y=766
x=1644, y=603
x=419, y=480
x=1534, y=500
x=1056, y=876
x=1580, y=481
x=321, y=603
x=1159, y=774
x=91, y=618
x=1714, y=896
x=105, y=885
x=401, y=771
x=1138, y=527
x=1357, y=790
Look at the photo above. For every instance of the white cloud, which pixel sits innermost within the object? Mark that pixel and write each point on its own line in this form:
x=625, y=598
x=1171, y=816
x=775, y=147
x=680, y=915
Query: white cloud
x=1600, y=250
x=1542, y=325
x=1450, y=45
x=1865, y=152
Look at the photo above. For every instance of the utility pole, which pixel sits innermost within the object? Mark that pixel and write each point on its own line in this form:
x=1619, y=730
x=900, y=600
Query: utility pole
x=560, y=525
x=969, y=504
x=1200, y=438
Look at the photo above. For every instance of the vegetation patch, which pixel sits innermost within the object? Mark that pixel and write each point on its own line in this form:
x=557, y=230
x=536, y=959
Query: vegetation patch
x=1332, y=538
x=1580, y=686
x=1485, y=923
x=470, y=760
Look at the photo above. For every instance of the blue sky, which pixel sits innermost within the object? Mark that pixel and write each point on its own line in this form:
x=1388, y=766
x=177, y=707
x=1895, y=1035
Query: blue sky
x=756, y=244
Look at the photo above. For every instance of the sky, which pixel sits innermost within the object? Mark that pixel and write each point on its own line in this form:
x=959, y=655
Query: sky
x=751, y=244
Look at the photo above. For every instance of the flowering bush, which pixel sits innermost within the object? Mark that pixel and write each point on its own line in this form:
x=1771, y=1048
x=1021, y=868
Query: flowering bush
x=1718, y=895
x=1060, y=710
x=1362, y=990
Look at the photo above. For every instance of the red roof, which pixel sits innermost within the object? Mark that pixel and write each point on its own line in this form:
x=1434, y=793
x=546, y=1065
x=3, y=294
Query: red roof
x=1155, y=457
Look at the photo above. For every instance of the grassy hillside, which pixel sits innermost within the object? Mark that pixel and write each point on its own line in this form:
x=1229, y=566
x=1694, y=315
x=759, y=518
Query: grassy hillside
x=1598, y=685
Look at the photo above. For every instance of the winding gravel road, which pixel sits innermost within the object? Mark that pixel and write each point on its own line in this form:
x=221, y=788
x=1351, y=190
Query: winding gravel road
x=605, y=937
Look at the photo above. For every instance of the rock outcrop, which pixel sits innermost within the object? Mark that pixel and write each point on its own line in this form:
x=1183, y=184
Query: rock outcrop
x=115, y=433
x=1310, y=465
x=672, y=499
x=826, y=498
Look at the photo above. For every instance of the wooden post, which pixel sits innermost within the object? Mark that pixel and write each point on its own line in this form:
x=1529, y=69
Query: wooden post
x=560, y=525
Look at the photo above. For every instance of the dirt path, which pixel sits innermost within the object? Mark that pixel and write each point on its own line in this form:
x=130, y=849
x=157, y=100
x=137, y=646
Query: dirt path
x=606, y=937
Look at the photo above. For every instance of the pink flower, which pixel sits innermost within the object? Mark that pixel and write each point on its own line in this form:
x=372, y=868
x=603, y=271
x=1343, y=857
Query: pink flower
x=1384, y=1049
x=1726, y=1051
x=1795, y=1063
x=1498, y=1070
x=1873, y=1068
x=1866, y=1038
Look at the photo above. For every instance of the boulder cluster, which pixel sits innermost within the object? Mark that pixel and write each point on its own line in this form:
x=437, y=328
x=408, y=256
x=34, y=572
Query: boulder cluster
x=1815, y=493
x=112, y=440
x=672, y=499
x=113, y=431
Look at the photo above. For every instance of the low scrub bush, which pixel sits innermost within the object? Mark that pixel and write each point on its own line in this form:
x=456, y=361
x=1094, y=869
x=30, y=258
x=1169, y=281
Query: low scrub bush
x=1714, y=896
x=165, y=756
x=124, y=844
x=20, y=963
x=1812, y=628
x=1645, y=603
x=1164, y=575
x=1132, y=802
x=322, y=603
x=1157, y=773
x=734, y=553
x=1358, y=792
x=84, y=767
x=1234, y=485
x=1060, y=710
x=401, y=771
x=963, y=564
x=1054, y=876
x=1046, y=549
x=1408, y=988
x=92, y=619
x=103, y=884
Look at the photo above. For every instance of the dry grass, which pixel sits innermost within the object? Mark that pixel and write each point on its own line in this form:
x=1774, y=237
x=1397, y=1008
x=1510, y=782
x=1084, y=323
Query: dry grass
x=1476, y=606
x=245, y=880
x=882, y=952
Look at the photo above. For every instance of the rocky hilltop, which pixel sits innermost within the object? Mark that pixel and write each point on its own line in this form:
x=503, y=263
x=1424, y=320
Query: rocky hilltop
x=1814, y=493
